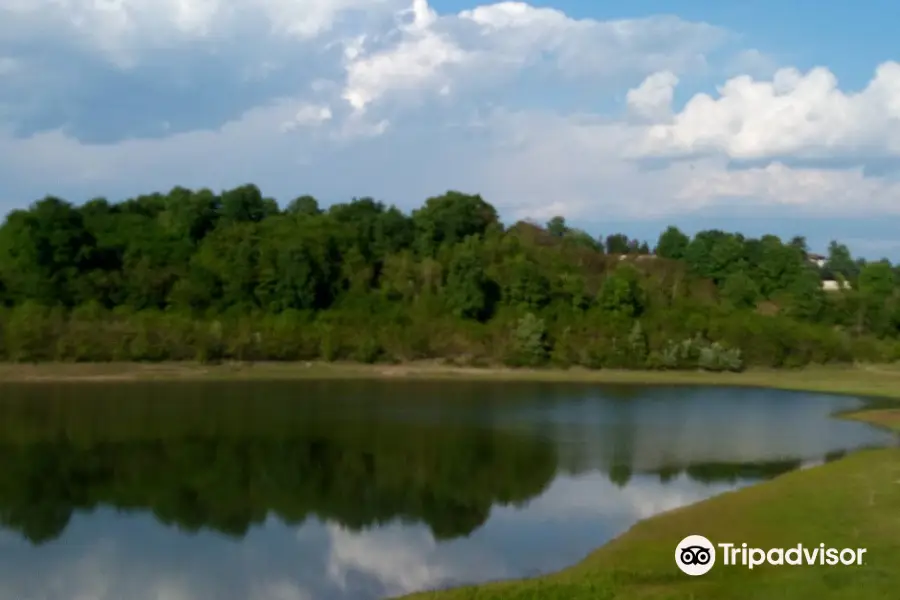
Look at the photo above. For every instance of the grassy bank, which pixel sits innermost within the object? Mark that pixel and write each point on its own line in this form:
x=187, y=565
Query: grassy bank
x=849, y=503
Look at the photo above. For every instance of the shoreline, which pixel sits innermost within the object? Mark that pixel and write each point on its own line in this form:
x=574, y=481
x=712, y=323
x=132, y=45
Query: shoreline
x=862, y=380
x=638, y=563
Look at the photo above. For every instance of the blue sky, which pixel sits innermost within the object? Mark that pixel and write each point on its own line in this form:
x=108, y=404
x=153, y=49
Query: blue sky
x=621, y=116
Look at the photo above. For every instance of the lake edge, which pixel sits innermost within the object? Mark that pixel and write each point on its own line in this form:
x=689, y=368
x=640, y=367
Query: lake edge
x=864, y=381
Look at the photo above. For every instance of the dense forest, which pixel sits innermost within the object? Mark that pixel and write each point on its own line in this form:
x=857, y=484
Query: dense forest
x=195, y=275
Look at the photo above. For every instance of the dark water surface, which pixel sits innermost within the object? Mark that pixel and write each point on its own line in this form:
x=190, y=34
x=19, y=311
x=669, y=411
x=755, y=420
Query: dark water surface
x=361, y=490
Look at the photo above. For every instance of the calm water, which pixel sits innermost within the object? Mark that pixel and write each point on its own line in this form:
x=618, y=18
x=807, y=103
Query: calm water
x=361, y=490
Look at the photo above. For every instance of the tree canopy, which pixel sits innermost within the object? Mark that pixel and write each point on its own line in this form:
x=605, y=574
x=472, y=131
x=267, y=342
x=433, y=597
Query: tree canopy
x=192, y=274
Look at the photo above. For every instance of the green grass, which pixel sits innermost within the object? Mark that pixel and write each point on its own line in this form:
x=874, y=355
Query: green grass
x=887, y=418
x=853, y=502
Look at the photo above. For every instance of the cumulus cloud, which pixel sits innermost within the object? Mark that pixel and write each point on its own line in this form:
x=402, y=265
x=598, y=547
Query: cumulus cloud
x=115, y=98
x=814, y=141
x=795, y=114
x=652, y=99
x=416, y=61
x=480, y=47
x=519, y=32
x=126, y=31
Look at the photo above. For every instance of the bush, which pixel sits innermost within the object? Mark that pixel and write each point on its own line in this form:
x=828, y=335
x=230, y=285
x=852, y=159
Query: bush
x=529, y=343
x=697, y=352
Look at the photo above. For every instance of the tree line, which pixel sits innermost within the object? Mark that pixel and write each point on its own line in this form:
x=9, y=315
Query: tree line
x=195, y=275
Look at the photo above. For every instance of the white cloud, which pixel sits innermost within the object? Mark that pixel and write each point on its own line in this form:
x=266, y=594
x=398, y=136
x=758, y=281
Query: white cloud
x=308, y=115
x=523, y=33
x=652, y=99
x=124, y=30
x=480, y=47
x=829, y=191
x=412, y=101
x=415, y=61
x=795, y=114
x=566, y=160
x=752, y=62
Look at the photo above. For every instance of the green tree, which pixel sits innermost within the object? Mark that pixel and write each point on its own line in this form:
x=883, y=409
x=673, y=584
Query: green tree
x=451, y=218
x=621, y=293
x=840, y=262
x=191, y=275
x=672, y=244
x=305, y=205
x=740, y=290
x=617, y=243
x=557, y=227
x=466, y=286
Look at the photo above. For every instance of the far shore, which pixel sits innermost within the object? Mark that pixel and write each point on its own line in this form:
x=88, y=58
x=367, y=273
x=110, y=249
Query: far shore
x=867, y=381
x=861, y=380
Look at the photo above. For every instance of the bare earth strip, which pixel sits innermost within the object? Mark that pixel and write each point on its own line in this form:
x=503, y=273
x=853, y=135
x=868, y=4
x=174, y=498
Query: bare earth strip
x=869, y=380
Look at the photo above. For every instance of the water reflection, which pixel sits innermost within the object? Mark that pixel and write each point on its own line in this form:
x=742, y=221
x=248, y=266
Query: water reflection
x=349, y=496
x=109, y=555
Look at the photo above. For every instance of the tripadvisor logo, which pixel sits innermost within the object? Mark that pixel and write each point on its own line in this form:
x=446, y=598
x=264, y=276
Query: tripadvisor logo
x=696, y=555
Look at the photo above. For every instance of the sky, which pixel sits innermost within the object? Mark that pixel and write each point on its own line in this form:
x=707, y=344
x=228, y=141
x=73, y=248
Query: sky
x=779, y=117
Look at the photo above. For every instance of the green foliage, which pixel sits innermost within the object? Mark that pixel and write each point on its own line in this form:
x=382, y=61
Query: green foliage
x=740, y=290
x=621, y=293
x=530, y=342
x=206, y=276
x=637, y=346
x=672, y=244
x=466, y=285
x=698, y=353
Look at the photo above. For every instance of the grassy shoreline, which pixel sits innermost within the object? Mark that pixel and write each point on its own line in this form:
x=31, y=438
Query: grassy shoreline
x=849, y=503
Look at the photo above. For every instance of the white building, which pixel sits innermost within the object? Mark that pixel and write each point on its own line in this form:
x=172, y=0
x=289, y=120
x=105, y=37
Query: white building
x=830, y=285
x=817, y=259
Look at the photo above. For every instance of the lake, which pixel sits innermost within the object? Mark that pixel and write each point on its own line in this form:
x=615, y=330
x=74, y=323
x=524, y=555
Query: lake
x=363, y=490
